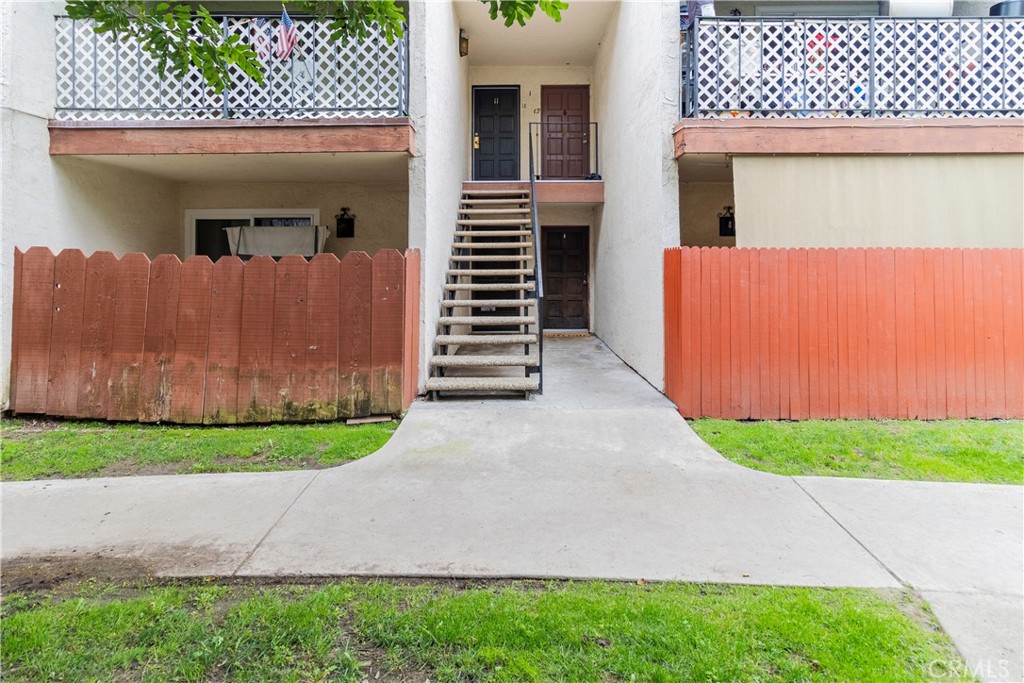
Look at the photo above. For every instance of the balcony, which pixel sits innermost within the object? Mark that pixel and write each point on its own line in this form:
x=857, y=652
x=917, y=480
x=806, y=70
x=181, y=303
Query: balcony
x=856, y=67
x=102, y=79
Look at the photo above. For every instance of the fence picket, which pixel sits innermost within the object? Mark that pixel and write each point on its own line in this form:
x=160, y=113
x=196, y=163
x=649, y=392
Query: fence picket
x=354, y=334
x=288, y=375
x=322, y=319
x=995, y=379
x=66, y=332
x=128, y=339
x=1013, y=298
x=97, y=333
x=220, y=403
x=34, y=326
x=255, y=349
x=411, y=353
x=192, y=341
x=386, y=332
x=156, y=380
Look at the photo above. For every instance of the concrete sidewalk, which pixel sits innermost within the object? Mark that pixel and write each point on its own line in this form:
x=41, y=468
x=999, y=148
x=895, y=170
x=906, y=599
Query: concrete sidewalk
x=598, y=478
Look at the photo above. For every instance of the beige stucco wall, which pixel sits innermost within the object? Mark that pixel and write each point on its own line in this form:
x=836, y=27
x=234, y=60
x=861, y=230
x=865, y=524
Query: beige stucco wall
x=852, y=201
x=441, y=115
x=530, y=79
x=699, y=206
x=636, y=94
x=381, y=209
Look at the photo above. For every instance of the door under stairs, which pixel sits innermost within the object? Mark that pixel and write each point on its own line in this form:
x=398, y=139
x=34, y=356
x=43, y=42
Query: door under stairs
x=488, y=337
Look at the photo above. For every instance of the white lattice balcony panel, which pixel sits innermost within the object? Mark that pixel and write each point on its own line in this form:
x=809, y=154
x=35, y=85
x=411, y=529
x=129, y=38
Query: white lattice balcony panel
x=102, y=78
x=854, y=67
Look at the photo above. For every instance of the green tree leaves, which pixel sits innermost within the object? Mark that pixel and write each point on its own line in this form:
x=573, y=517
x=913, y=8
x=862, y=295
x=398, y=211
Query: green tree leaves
x=181, y=36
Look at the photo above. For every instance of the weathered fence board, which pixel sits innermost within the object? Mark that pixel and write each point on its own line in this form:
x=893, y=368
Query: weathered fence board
x=161, y=336
x=322, y=320
x=845, y=333
x=97, y=333
x=255, y=356
x=220, y=343
x=220, y=405
x=128, y=338
x=34, y=328
x=354, y=334
x=387, y=335
x=66, y=333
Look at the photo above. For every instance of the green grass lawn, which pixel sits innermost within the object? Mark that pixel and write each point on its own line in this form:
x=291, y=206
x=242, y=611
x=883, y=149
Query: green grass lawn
x=37, y=450
x=355, y=631
x=945, y=450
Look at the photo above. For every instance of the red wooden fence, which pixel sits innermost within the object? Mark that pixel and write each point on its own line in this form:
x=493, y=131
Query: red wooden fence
x=215, y=343
x=845, y=333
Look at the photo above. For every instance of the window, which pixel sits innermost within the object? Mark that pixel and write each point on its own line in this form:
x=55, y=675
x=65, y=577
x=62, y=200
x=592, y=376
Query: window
x=205, y=232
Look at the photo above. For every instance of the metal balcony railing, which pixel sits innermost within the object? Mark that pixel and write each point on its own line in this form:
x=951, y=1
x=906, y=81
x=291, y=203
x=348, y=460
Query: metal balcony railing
x=101, y=78
x=565, y=150
x=853, y=67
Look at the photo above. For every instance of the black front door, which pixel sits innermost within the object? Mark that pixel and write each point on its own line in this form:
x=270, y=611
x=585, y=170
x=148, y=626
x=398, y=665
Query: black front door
x=496, y=134
x=566, y=270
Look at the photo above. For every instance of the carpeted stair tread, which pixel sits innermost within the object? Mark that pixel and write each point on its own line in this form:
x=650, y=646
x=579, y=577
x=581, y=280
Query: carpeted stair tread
x=493, y=233
x=483, y=384
x=458, y=361
x=489, y=272
x=471, y=339
x=488, y=303
x=490, y=286
x=487, y=320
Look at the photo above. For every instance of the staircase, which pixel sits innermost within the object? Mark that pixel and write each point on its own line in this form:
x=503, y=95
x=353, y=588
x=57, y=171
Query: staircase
x=488, y=340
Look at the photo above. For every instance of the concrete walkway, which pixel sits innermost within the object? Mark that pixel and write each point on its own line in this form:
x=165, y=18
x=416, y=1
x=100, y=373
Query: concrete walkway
x=598, y=478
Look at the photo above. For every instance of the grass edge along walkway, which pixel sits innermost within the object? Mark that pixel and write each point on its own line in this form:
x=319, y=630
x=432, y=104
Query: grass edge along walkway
x=444, y=631
x=974, y=451
x=32, y=449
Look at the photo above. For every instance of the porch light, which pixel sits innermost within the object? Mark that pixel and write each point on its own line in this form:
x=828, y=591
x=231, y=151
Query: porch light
x=346, y=223
x=727, y=223
x=463, y=43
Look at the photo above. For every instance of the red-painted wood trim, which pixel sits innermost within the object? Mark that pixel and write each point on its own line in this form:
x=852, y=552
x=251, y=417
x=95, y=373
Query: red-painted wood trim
x=849, y=136
x=232, y=137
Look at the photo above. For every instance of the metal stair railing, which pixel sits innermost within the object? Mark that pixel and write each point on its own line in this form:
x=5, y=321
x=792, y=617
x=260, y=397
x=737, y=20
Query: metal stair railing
x=538, y=280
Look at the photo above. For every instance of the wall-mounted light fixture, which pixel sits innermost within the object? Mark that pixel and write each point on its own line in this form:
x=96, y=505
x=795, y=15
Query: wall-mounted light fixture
x=346, y=223
x=727, y=223
x=463, y=43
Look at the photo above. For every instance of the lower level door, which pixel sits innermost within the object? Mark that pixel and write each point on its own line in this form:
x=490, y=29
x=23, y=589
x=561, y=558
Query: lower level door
x=566, y=266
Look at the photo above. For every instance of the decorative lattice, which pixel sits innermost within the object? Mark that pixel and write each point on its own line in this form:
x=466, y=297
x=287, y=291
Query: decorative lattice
x=854, y=67
x=102, y=78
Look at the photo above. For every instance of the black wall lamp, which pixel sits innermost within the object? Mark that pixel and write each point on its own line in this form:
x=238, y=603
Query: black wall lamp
x=727, y=223
x=346, y=223
x=463, y=43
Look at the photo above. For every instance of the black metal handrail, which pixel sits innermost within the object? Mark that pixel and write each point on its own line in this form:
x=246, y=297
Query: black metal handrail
x=538, y=278
x=586, y=133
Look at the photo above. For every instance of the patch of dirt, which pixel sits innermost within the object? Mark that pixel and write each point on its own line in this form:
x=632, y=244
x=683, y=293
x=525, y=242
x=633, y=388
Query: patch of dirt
x=52, y=574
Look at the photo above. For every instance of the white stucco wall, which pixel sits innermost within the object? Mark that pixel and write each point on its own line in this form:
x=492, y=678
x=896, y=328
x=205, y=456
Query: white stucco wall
x=381, y=209
x=636, y=86
x=530, y=79
x=880, y=201
x=440, y=114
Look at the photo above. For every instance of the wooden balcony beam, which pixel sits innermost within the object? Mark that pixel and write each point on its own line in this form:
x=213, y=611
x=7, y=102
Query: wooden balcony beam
x=231, y=136
x=849, y=136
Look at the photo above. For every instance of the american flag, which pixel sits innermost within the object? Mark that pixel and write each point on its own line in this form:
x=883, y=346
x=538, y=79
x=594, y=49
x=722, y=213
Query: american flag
x=261, y=37
x=287, y=34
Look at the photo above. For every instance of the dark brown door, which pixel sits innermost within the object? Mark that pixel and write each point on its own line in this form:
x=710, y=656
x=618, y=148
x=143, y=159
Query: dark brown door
x=566, y=267
x=496, y=134
x=565, y=126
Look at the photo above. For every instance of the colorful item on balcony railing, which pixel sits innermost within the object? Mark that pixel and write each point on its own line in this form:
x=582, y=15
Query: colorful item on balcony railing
x=287, y=36
x=854, y=67
x=102, y=78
